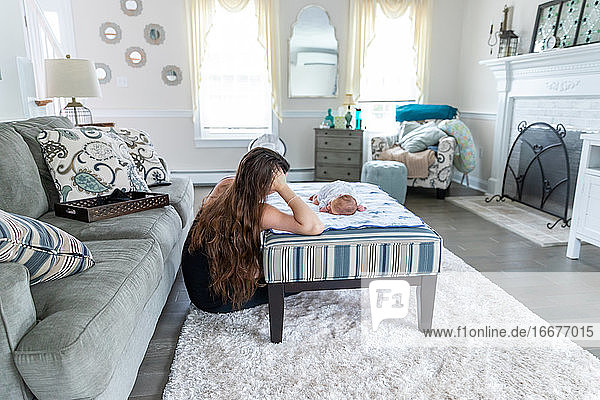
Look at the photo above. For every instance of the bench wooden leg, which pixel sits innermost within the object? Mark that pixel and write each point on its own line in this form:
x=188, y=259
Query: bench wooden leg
x=425, y=301
x=276, y=311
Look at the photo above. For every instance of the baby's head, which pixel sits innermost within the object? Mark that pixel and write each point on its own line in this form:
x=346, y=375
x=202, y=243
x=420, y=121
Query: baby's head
x=344, y=205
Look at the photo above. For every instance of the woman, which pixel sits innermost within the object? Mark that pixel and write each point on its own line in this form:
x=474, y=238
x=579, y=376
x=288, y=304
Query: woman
x=222, y=258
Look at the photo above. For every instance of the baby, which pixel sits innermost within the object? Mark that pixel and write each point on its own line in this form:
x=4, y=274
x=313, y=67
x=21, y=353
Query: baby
x=338, y=198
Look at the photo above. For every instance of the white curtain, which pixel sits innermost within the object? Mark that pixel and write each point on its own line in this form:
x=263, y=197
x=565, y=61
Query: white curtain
x=361, y=30
x=199, y=22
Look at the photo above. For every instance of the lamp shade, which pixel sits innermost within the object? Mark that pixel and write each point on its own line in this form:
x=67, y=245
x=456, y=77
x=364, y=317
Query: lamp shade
x=68, y=77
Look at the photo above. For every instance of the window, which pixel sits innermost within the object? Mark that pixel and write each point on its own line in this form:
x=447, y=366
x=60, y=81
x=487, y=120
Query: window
x=50, y=35
x=235, y=93
x=389, y=77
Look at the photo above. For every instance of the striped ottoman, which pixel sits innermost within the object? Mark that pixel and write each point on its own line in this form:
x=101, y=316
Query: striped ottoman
x=350, y=258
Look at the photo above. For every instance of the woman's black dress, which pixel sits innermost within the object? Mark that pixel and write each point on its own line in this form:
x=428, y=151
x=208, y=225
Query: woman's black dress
x=197, y=282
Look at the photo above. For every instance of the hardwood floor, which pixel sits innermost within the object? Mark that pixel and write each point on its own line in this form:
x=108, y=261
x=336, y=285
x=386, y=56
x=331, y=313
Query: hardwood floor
x=504, y=257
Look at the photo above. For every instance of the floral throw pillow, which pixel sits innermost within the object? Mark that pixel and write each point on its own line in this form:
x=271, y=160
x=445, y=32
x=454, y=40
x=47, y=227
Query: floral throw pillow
x=87, y=162
x=140, y=148
x=466, y=159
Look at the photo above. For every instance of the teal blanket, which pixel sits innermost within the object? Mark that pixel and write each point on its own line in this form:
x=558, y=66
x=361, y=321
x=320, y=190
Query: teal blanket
x=420, y=112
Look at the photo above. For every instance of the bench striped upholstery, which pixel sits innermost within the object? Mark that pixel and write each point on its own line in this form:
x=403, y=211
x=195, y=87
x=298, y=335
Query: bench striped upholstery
x=351, y=254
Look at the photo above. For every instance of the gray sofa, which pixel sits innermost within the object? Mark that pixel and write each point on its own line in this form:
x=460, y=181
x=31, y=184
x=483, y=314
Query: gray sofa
x=83, y=336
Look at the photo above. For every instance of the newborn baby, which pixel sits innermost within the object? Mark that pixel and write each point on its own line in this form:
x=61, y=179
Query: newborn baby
x=338, y=198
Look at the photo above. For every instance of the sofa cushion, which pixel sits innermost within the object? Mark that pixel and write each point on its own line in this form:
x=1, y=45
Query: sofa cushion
x=29, y=130
x=88, y=161
x=181, y=196
x=161, y=224
x=141, y=150
x=47, y=252
x=85, y=320
x=20, y=184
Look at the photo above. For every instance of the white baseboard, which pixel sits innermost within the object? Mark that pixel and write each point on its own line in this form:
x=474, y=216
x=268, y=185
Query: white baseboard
x=475, y=182
x=211, y=177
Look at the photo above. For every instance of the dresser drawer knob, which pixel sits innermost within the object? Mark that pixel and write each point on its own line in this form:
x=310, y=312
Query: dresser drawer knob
x=325, y=142
x=349, y=143
x=325, y=157
x=348, y=173
x=349, y=158
x=324, y=172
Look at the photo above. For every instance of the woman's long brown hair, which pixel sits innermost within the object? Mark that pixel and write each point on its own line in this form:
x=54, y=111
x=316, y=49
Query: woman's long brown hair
x=228, y=229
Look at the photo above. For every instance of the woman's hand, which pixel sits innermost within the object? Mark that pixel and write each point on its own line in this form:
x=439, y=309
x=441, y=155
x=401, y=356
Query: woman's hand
x=279, y=182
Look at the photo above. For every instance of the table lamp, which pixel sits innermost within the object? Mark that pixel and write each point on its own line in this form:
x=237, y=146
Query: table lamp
x=69, y=77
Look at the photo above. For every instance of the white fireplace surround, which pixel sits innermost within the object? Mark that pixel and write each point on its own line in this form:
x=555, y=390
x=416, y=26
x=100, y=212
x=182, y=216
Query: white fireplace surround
x=556, y=86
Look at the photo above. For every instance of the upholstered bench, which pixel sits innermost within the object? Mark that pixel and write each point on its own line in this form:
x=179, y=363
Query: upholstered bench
x=384, y=242
x=388, y=175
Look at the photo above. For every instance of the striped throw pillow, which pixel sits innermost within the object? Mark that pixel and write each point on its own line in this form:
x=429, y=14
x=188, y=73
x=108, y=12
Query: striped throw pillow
x=46, y=251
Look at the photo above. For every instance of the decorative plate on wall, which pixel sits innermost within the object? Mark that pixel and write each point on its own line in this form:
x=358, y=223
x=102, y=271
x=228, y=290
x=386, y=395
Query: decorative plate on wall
x=570, y=22
x=110, y=32
x=135, y=57
x=154, y=34
x=131, y=7
x=103, y=73
x=171, y=75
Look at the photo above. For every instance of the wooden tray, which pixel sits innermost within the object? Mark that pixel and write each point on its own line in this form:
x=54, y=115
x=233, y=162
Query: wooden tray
x=103, y=207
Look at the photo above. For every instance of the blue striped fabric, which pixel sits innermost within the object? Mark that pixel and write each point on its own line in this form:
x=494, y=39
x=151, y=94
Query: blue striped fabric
x=46, y=251
x=351, y=254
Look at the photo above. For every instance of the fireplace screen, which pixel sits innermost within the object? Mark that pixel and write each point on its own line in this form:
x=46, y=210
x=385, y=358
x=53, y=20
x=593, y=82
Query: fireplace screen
x=537, y=171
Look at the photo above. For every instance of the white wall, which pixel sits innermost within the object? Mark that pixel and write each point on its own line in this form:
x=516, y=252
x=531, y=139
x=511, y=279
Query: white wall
x=12, y=45
x=476, y=96
x=459, y=42
x=174, y=134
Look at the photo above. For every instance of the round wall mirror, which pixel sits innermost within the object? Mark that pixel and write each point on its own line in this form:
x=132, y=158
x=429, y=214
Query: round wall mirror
x=103, y=73
x=313, y=55
x=171, y=75
x=110, y=32
x=135, y=57
x=131, y=7
x=154, y=34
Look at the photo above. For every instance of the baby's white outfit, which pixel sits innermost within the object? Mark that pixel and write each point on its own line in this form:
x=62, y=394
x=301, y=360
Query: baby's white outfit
x=333, y=190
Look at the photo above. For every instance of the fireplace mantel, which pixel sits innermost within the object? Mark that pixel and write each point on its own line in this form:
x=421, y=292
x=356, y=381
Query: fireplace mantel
x=571, y=72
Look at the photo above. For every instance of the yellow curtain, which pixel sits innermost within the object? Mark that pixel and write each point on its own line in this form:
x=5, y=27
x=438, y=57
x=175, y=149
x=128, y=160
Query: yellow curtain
x=199, y=15
x=267, y=12
x=233, y=5
x=361, y=30
x=421, y=16
x=199, y=21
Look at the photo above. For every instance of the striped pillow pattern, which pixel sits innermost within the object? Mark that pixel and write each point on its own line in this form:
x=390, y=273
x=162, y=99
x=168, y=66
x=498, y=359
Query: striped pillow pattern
x=46, y=251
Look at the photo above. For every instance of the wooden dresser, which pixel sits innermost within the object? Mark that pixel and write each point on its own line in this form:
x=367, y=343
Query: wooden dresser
x=338, y=154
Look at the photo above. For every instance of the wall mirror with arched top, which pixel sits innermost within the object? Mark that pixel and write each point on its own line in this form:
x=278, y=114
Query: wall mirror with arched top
x=313, y=55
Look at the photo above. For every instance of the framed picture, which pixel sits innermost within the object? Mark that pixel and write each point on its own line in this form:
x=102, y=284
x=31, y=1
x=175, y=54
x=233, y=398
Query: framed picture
x=566, y=23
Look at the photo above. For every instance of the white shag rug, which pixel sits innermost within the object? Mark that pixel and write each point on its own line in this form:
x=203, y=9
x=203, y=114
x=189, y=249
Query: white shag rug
x=330, y=352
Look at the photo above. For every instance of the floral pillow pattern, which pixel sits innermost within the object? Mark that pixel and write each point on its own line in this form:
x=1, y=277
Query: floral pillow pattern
x=466, y=158
x=150, y=167
x=87, y=162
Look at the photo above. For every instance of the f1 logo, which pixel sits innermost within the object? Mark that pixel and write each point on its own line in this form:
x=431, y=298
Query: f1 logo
x=389, y=300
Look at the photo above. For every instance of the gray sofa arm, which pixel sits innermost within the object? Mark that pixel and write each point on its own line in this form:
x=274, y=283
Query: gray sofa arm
x=17, y=317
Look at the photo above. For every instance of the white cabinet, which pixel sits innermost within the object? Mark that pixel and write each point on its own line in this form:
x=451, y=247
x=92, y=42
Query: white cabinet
x=585, y=223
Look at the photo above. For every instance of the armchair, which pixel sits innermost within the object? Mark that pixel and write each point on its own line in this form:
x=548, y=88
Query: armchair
x=440, y=172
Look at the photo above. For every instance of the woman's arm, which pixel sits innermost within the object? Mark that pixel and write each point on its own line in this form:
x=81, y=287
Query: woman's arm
x=218, y=190
x=304, y=221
